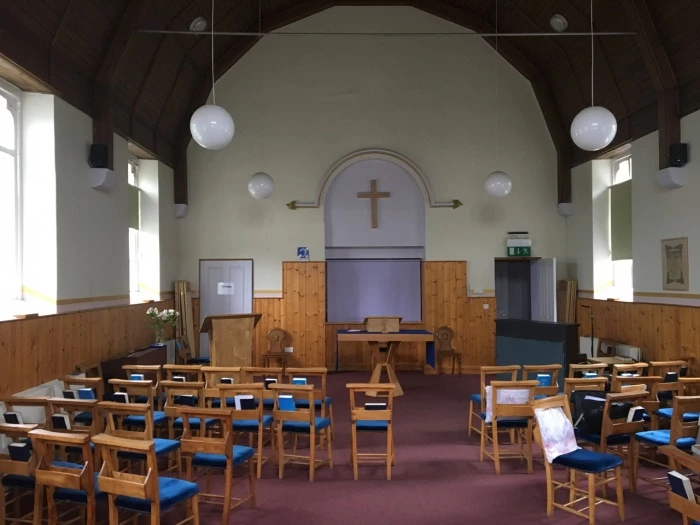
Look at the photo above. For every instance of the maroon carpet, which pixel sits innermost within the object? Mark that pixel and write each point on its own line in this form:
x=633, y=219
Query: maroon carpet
x=438, y=477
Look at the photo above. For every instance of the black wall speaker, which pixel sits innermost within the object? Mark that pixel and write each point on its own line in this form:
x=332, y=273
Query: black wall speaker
x=98, y=156
x=678, y=155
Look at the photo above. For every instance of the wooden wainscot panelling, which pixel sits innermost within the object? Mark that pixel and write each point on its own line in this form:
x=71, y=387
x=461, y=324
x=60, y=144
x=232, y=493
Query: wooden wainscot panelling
x=34, y=351
x=662, y=331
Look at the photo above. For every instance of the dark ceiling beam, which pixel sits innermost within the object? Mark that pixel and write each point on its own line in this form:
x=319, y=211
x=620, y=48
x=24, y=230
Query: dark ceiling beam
x=171, y=90
x=661, y=73
x=57, y=34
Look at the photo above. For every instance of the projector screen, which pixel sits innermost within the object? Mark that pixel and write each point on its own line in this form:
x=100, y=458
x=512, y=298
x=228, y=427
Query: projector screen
x=356, y=289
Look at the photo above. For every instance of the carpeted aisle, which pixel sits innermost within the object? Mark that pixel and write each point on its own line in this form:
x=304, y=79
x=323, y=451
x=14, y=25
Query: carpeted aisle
x=438, y=478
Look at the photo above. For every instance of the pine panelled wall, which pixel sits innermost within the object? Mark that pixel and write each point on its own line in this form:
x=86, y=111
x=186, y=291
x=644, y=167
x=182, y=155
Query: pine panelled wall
x=34, y=351
x=301, y=312
x=662, y=331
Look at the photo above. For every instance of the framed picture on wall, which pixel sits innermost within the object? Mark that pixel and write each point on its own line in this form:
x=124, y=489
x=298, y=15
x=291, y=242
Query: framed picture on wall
x=674, y=261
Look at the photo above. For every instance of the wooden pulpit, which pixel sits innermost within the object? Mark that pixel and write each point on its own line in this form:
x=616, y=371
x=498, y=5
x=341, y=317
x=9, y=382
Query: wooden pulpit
x=230, y=338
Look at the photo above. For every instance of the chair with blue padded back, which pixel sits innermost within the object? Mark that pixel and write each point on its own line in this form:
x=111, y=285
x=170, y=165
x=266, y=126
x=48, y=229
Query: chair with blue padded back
x=301, y=421
x=682, y=434
x=64, y=482
x=510, y=406
x=316, y=376
x=551, y=371
x=141, y=494
x=681, y=461
x=153, y=373
x=477, y=402
x=258, y=374
x=594, y=465
x=363, y=419
x=216, y=452
x=213, y=375
x=16, y=477
x=251, y=421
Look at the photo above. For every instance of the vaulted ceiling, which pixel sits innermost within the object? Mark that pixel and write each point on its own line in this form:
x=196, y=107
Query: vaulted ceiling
x=146, y=86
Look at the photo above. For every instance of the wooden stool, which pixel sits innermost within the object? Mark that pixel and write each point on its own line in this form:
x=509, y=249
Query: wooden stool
x=443, y=339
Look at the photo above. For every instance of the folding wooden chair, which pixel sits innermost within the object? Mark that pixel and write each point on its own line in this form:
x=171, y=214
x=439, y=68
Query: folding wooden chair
x=191, y=373
x=316, y=376
x=17, y=477
x=213, y=376
x=152, y=373
x=258, y=374
x=576, y=370
x=478, y=401
x=679, y=460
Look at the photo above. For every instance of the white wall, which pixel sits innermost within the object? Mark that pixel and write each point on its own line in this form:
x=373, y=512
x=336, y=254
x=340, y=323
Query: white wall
x=300, y=104
x=168, y=228
x=92, y=226
x=601, y=171
x=579, y=229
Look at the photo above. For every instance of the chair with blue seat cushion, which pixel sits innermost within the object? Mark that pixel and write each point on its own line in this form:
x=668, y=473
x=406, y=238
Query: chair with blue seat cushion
x=682, y=435
x=141, y=494
x=681, y=461
x=180, y=394
x=213, y=377
x=547, y=376
x=16, y=477
x=623, y=372
x=316, y=376
x=153, y=373
x=577, y=370
x=216, y=452
x=554, y=433
x=289, y=420
x=76, y=383
x=477, y=402
x=62, y=481
x=259, y=374
x=141, y=392
x=74, y=408
x=371, y=417
x=192, y=373
x=250, y=419
x=120, y=417
x=508, y=408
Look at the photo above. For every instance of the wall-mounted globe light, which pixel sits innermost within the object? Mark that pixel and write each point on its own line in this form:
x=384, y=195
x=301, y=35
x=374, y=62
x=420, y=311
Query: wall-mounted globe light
x=593, y=128
x=261, y=186
x=212, y=127
x=498, y=184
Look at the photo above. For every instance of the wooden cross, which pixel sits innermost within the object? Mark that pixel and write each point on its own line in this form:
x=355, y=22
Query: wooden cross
x=374, y=195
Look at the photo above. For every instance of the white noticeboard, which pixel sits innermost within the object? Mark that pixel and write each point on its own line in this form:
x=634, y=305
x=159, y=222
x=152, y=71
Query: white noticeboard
x=224, y=288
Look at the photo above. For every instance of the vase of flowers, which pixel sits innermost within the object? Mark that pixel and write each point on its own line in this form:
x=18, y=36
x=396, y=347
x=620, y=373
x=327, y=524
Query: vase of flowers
x=160, y=319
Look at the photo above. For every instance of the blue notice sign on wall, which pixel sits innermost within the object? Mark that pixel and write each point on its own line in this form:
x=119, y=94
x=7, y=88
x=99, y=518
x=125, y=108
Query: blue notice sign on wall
x=302, y=253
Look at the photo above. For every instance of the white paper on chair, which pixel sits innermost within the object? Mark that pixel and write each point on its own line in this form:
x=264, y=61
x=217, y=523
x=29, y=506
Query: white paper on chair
x=557, y=432
x=506, y=396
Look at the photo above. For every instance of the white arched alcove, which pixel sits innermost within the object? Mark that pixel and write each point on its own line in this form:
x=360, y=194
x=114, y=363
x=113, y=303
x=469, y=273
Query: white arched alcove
x=400, y=231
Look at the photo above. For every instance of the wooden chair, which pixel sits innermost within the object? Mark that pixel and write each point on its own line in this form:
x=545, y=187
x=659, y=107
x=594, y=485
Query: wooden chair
x=76, y=382
x=73, y=408
x=90, y=369
x=443, y=340
x=679, y=460
x=192, y=373
x=682, y=435
x=178, y=395
x=120, y=419
x=634, y=384
x=140, y=392
x=530, y=372
x=576, y=370
x=595, y=466
x=64, y=482
x=478, y=401
x=216, y=453
x=507, y=416
x=660, y=368
x=212, y=379
x=152, y=373
x=252, y=422
x=316, y=376
x=17, y=477
x=300, y=422
x=33, y=409
x=258, y=374
x=276, y=353
x=629, y=368
x=583, y=383
x=364, y=420
x=141, y=494
x=656, y=410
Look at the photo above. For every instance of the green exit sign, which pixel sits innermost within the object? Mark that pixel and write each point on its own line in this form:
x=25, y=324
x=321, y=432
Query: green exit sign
x=519, y=251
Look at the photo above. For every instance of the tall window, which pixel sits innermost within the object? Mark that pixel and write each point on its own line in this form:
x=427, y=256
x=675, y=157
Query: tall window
x=10, y=281
x=134, y=226
x=621, y=228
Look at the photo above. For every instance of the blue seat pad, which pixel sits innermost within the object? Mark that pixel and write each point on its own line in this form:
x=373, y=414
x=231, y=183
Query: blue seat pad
x=615, y=439
x=688, y=417
x=240, y=454
x=588, y=461
x=159, y=418
x=303, y=427
x=509, y=423
x=84, y=418
x=475, y=398
x=318, y=403
x=194, y=422
x=230, y=402
x=144, y=399
x=372, y=425
x=172, y=491
x=162, y=447
x=15, y=480
x=540, y=396
x=251, y=425
x=663, y=437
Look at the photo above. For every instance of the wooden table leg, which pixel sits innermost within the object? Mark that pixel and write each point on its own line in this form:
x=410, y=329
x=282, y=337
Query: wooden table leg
x=377, y=372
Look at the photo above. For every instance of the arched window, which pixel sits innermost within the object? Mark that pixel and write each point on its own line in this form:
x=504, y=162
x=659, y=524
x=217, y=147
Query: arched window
x=10, y=238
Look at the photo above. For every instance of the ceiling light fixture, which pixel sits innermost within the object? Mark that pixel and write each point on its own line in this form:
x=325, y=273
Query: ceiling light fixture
x=211, y=125
x=559, y=23
x=595, y=127
x=199, y=24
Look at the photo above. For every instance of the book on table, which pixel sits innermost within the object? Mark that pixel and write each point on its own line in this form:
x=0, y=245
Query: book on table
x=244, y=402
x=60, y=422
x=681, y=485
x=13, y=418
x=286, y=402
x=21, y=451
x=86, y=393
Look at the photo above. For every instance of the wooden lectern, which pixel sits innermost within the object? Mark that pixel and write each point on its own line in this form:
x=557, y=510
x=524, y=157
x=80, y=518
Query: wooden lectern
x=230, y=338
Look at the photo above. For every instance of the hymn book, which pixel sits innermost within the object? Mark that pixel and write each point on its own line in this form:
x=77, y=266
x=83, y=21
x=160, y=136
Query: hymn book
x=136, y=377
x=69, y=394
x=286, y=402
x=13, y=418
x=375, y=406
x=20, y=451
x=244, y=402
x=121, y=397
x=60, y=422
x=86, y=393
x=681, y=485
x=269, y=381
x=635, y=414
x=299, y=381
x=226, y=380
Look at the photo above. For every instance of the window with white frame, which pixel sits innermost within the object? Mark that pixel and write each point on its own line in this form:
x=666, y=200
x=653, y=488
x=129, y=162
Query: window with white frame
x=10, y=234
x=134, y=226
x=621, y=229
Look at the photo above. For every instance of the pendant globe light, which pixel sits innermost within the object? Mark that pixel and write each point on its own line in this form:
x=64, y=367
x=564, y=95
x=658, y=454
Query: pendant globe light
x=498, y=183
x=261, y=186
x=595, y=127
x=211, y=125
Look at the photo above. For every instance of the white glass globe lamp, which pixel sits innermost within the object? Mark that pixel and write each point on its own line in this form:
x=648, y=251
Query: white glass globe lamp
x=593, y=128
x=498, y=184
x=261, y=186
x=212, y=127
